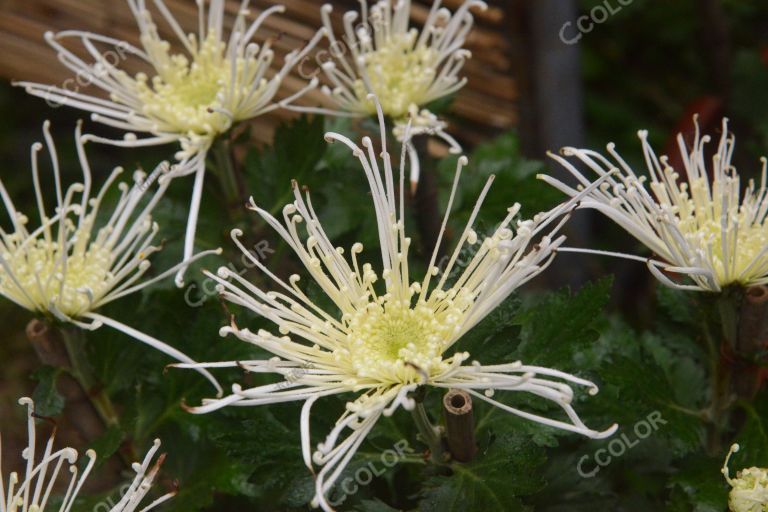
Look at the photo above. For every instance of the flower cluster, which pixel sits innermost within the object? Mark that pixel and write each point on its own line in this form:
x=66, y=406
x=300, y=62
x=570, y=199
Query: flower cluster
x=382, y=340
x=31, y=491
x=378, y=335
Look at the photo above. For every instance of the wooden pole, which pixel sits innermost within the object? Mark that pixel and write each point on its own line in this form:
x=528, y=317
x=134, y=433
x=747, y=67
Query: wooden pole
x=551, y=105
x=459, y=425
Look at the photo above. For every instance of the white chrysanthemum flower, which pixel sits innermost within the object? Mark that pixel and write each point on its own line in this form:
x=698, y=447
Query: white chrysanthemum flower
x=382, y=54
x=32, y=491
x=705, y=229
x=749, y=490
x=384, y=339
x=187, y=96
x=80, y=257
x=406, y=68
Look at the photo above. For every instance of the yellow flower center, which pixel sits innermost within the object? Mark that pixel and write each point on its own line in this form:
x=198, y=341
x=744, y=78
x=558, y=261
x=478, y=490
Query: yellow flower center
x=750, y=491
x=41, y=273
x=700, y=222
x=393, y=341
x=400, y=75
x=184, y=95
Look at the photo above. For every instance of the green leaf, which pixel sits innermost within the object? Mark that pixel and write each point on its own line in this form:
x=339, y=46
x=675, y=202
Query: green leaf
x=212, y=475
x=503, y=155
x=753, y=438
x=261, y=440
x=107, y=444
x=490, y=340
x=555, y=330
x=703, y=487
x=48, y=401
x=683, y=364
x=634, y=388
x=374, y=506
x=297, y=150
x=503, y=472
x=502, y=158
x=677, y=305
x=562, y=325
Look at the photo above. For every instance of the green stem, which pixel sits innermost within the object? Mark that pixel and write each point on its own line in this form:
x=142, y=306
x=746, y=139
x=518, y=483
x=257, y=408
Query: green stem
x=278, y=206
x=727, y=306
x=700, y=414
x=428, y=433
x=75, y=342
x=715, y=376
x=223, y=163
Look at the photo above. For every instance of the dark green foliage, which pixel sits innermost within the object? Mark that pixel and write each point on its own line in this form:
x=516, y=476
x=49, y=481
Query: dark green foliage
x=48, y=400
x=562, y=326
x=108, y=444
x=297, y=149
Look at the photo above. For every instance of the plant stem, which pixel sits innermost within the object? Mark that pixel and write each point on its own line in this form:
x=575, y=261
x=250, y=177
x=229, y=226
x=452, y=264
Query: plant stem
x=727, y=306
x=223, y=163
x=74, y=341
x=715, y=408
x=428, y=433
x=49, y=347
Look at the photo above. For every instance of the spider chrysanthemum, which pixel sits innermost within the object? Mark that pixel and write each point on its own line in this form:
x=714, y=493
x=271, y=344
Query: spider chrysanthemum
x=405, y=67
x=83, y=254
x=697, y=220
x=188, y=94
x=386, y=333
x=53, y=468
x=380, y=53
